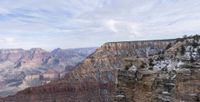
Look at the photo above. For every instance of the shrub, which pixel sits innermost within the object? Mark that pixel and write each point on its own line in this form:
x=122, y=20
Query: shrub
x=151, y=62
x=179, y=40
x=168, y=46
x=143, y=65
x=199, y=51
x=161, y=52
x=161, y=57
x=192, y=60
x=182, y=50
x=196, y=37
x=185, y=36
x=194, y=44
x=150, y=68
x=127, y=66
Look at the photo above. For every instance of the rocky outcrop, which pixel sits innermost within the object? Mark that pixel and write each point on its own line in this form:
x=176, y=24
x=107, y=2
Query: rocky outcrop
x=166, y=79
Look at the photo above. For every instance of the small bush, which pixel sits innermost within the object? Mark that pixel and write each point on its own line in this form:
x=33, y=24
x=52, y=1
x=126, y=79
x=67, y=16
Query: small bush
x=179, y=40
x=192, y=60
x=127, y=66
x=143, y=65
x=194, y=44
x=150, y=68
x=151, y=62
x=199, y=51
x=185, y=37
x=196, y=37
x=161, y=58
x=169, y=46
x=182, y=50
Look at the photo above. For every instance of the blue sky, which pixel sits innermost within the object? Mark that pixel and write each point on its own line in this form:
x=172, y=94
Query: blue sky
x=51, y=24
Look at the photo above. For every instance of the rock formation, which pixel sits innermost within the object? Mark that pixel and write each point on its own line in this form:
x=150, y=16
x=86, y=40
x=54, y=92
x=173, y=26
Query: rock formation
x=138, y=71
x=20, y=68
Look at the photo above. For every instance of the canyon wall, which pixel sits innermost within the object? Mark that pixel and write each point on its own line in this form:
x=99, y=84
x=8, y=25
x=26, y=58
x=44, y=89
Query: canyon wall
x=97, y=74
x=21, y=68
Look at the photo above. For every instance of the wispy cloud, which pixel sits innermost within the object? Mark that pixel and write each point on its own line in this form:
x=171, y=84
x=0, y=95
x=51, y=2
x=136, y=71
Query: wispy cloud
x=81, y=23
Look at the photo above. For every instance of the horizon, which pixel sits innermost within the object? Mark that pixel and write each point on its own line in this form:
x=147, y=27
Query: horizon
x=69, y=24
x=46, y=49
x=100, y=45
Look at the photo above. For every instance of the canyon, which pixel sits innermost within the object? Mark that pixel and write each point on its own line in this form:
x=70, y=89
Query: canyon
x=129, y=71
x=20, y=69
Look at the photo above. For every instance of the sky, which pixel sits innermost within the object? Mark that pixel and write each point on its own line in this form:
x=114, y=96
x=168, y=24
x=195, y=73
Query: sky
x=51, y=24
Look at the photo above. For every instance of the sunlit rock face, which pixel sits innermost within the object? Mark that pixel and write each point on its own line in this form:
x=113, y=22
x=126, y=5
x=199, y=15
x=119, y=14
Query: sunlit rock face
x=20, y=68
x=138, y=71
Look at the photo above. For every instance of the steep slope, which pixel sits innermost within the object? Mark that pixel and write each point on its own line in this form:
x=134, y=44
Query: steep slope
x=114, y=54
x=93, y=80
x=20, y=68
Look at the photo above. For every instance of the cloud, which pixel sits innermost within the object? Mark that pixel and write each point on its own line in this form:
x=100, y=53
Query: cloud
x=3, y=11
x=82, y=23
x=122, y=27
x=7, y=40
x=111, y=24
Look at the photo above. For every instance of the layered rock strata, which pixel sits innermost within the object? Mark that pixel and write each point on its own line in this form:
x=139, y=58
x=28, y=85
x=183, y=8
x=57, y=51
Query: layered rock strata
x=140, y=71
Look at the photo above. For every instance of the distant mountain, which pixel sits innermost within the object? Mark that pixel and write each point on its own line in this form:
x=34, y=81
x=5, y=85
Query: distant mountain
x=21, y=68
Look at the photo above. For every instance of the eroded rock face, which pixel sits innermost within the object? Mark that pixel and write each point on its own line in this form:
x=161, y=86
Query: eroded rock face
x=171, y=79
x=20, y=68
x=114, y=55
x=73, y=91
x=123, y=72
x=99, y=70
x=162, y=86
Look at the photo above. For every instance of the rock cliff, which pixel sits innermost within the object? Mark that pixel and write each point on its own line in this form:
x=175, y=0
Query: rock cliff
x=99, y=70
x=138, y=71
x=113, y=55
